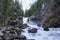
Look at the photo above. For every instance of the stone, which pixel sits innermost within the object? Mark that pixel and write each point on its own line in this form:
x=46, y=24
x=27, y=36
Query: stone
x=12, y=32
x=28, y=20
x=33, y=30
x=25, y=26
x=38, y=24
x=46, y=29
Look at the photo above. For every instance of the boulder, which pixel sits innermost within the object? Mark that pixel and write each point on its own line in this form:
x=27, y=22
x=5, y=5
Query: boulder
x=25, y=26
x=33, y=30
x=27, y=20
x=46, y=29
x=18, y=31
x=38, y=24
x=12, y=32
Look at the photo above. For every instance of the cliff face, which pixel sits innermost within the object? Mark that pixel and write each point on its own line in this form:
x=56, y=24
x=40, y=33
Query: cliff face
x=51, y=17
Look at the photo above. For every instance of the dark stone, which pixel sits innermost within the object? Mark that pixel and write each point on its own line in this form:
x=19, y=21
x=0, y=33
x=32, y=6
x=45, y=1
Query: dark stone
x=18, y=31
x=25, y=26
x=3, y=32
x=46, y=29
x=12, y=32
x=27, y=20
x=34, y=30
x=38, y=24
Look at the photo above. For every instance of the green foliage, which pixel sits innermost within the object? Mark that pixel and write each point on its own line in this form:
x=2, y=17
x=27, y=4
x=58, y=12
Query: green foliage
x=35, y=9
x=7, y=10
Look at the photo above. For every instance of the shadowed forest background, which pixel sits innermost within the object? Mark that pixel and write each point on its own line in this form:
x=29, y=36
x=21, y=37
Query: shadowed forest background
x=50, y=17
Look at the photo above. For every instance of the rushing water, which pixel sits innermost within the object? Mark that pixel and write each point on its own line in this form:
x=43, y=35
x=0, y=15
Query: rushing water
x=52, y=34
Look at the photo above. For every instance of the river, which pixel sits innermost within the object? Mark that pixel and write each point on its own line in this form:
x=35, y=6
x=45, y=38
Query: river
x=52, y=34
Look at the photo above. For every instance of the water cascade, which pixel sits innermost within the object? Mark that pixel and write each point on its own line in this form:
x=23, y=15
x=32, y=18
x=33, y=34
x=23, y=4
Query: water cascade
x=52, y=34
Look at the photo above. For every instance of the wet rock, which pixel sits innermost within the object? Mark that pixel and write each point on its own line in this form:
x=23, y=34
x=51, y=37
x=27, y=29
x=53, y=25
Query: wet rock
x=46, y=29
x=18, y=31
x=33, y=19
x=3, y=32
x=20, y=18
x=25, y=26
x=38, y=24
x=27, y=20
x=12, y=32
x=34, y=30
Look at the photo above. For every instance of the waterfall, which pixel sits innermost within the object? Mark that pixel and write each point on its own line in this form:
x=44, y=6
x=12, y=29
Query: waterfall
x=43, y=8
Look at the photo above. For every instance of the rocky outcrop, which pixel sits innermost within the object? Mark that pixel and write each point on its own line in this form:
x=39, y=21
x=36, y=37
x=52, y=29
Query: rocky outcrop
x=51, y=15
